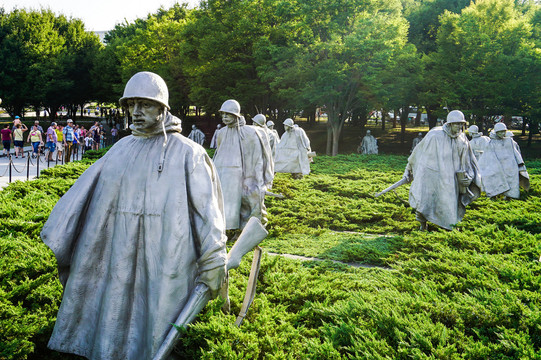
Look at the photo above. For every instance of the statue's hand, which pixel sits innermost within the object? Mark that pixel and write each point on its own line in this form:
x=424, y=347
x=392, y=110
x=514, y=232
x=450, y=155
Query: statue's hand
x=465, y=182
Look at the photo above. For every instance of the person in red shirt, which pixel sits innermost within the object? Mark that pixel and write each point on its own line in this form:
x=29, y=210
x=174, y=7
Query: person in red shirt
x=6, y=139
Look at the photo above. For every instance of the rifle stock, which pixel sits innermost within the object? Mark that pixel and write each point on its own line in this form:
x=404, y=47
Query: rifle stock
x=252, y=234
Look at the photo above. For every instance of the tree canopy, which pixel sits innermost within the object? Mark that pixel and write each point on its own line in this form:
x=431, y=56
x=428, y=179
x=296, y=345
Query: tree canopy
x=284, y=58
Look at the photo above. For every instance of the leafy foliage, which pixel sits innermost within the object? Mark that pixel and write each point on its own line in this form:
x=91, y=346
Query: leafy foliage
x=470, y=293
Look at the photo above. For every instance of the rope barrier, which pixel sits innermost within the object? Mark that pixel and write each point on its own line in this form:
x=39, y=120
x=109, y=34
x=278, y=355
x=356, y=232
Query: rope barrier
x=12, y=164
x=7, y=168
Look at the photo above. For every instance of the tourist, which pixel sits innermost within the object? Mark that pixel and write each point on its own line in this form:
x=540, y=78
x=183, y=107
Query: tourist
x=51, y=140
x=89, y=141
x=59, y=141
x=7, y=136
x=36, y=139
x=18, y=139
x=69, y=137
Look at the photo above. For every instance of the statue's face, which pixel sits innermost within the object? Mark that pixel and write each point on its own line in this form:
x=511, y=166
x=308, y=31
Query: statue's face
x=229, y=119
x=455, y=128
x=501, y=134
x=288, y=128
x=145, y=113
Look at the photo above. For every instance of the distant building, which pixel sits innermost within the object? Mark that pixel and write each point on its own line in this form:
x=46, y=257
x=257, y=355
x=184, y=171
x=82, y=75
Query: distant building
x=101, y=35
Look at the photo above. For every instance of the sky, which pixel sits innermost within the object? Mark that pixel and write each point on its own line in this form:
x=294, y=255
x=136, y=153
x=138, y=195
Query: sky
x=98, y=15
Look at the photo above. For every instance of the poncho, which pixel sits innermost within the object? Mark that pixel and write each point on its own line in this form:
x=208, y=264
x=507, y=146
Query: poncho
x=198, y=136
x=244, y=164
x=131, y=243
x=274, y=141
x=434, y=164
x=478, y=144
x=213, y=140
x=416, y=142
x=369, y=145
x=500, y=166
x=292, y=153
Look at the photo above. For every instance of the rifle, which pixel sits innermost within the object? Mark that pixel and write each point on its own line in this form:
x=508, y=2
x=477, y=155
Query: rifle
x=252, y=234
x=279, y=196
x=400, y=182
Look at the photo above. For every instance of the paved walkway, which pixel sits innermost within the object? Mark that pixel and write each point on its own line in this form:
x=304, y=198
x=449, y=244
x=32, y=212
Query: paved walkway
x=23, y=169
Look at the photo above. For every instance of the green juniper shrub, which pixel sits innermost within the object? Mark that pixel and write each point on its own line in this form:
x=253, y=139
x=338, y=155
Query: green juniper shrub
x=470, y=293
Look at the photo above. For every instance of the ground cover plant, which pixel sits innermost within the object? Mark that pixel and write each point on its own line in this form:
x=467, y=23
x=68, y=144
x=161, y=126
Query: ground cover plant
x=470, y=293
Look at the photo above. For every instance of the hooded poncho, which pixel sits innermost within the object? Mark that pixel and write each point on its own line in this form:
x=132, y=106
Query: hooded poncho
x=197, y=135
x=369, y=145
x=478, y=144
x=292, y=153
x=132, y=242
x=244, y=164
x=434, y=164
x=500, y=166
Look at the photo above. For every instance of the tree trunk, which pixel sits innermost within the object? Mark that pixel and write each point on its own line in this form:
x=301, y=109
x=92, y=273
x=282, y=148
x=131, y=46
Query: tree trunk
x=432, y=118
x=403, y=122
x=329, y=138
x=533, y=129
x=383, y=117
x=336, y=139
x=418, y=117
x=524, y=122
x=394, y=117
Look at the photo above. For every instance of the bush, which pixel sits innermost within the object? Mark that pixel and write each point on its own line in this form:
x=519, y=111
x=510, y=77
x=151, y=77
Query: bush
x=470, y=293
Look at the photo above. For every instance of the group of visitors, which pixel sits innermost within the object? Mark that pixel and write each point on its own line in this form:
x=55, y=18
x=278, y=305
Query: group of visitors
x=64, y=140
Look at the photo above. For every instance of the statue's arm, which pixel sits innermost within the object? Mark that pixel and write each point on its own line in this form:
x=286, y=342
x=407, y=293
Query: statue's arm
x=208, y=223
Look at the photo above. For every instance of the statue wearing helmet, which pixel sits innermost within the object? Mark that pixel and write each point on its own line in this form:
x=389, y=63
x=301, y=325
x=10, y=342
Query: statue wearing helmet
x=416, y=141
x=215, y=136
x=292, y=151
x=444, y=174
x=478, y=141
x=369, y=144
x=273, y=137
x=197, y=135
x=259, y=121
x=502, y=168
x=129, y=270
x=243, y=159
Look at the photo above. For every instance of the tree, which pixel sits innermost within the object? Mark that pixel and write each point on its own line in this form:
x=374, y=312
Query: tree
x=344, y=63
x=46, y=60
x=152, y=44
x=483, y=58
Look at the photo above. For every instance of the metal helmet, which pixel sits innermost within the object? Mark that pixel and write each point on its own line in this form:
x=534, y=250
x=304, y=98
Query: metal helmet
x=259, y=119
x=455, y=116
x=368, y=132
x=231, y=107
x=288, y=122
x=270, y=123
x=473, y=129
x=146, y=85
x=420, y=134
x=500, y=127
